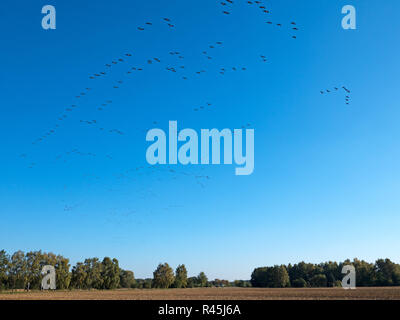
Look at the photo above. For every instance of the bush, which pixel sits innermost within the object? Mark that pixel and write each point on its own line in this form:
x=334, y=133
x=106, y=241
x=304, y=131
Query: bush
x=338, y=283
x=318, y=281
x=299, y=283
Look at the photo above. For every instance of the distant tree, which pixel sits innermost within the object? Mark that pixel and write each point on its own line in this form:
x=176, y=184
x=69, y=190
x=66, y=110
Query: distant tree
x=35, y=262
x=63, y=275
x=299, y=283
x=241, y=283
x=365, y=272
x=19, y=269
x=79, y=275
x=127, y=279
x=220, y=283
x=280, y=277
x=4, y=264
x=110, y=273
x=192, y=282
x=202, y=280
x=337, y=283
x=272, y=277
x=387, y=273
x=332, y=272
x=238, y=283
x=91, y=274
x=147, y=284
x=181, y=278
x=18, y=275
x=139, y=283
x=259, y=277
x=319, y=280
x=143, y=283
x=303, y=271
x=93, y=268
x=163, y=276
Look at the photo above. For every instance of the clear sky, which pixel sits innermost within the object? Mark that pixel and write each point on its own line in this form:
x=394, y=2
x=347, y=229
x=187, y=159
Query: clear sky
x=326, y=180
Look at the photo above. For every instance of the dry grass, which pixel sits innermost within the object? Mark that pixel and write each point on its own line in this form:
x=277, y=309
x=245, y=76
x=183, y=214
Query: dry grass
x=392, y=293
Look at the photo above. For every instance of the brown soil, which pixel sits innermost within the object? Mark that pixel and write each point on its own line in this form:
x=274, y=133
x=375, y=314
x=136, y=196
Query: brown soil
x=392, y=293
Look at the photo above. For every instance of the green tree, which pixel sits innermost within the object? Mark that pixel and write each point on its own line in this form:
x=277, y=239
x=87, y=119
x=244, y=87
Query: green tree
x=272, y=277
x=332, y=272
x=147, y=283
x=365, y=272
x=387, y=273
x=279, y=277
x=144, y=283
x=238, y=283
x=222, y=283
x=110, y=273
x=192, y=282
x=79, y=275
x=299, y=283
x=181, y=277
x=93, y=278
x=163, y=276
x=202, y=280
x=303, y=271
x=241, y=283
x=127, y=279
x=63, y=275
x=18, y=275
x=4, y=264
x=259, y=277
x=34, y=260
x=319, y=280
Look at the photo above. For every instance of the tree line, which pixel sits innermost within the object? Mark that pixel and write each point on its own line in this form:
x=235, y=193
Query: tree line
x=328, y=274
x=23, y=270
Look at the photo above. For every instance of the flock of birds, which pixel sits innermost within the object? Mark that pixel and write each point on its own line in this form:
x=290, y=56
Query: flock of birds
x=178, y=68
x=166, y=20
x=117, y=85
x=227, y=9
x=336, y=89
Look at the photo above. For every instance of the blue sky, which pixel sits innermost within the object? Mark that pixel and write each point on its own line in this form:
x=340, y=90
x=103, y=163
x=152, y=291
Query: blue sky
x=326, y=178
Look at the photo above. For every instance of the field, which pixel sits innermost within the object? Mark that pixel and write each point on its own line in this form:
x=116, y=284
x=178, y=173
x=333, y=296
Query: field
x=392, y=293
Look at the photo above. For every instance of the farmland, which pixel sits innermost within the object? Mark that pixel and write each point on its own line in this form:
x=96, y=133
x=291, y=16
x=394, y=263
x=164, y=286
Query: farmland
x=375, y=293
